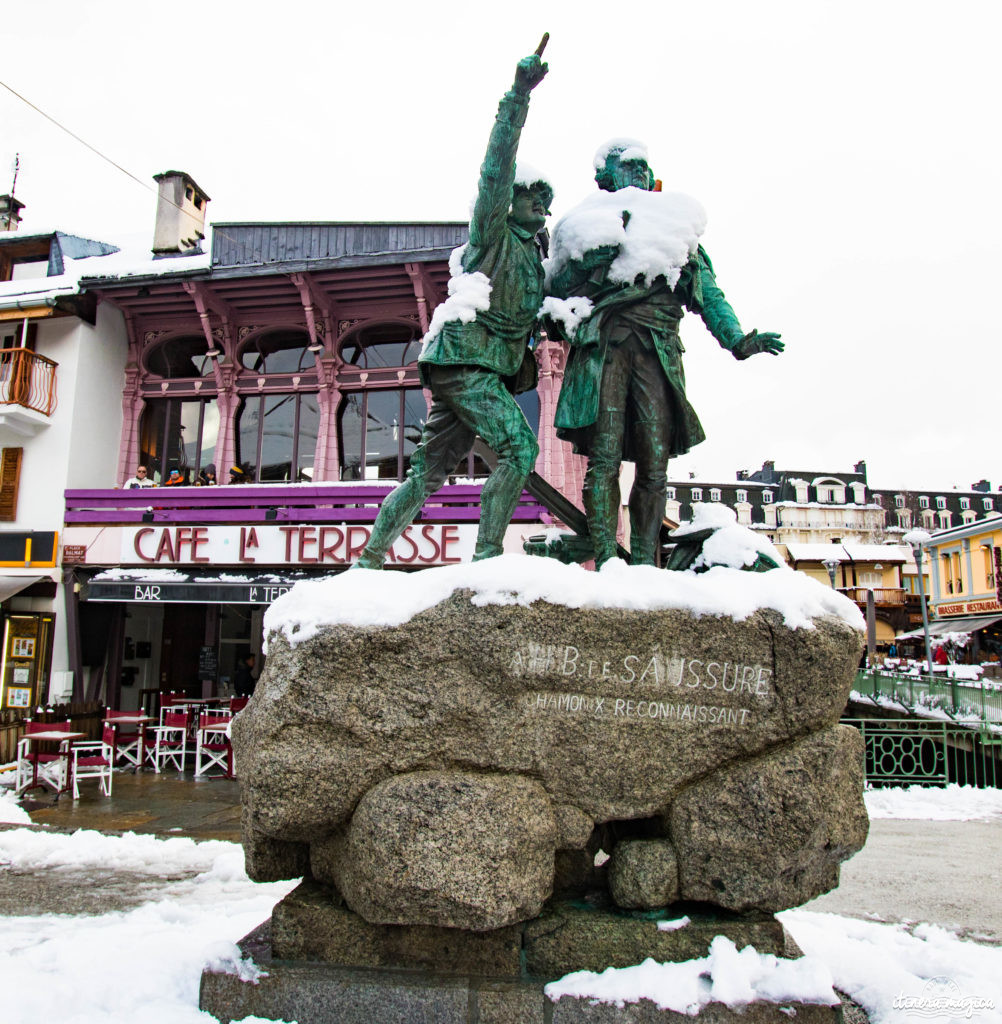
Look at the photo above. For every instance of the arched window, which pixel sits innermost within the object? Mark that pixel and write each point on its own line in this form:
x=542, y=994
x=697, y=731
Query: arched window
x=184, y=356
x=277, y=436
x=178, y=433
x=285, y=350
x=377, y=432
x=385, y=344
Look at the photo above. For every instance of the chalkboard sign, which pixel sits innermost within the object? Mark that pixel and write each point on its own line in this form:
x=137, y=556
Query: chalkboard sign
x=208, y=662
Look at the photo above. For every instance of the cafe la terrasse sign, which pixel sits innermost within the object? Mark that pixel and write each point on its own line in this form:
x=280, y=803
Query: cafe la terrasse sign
x=288, y=545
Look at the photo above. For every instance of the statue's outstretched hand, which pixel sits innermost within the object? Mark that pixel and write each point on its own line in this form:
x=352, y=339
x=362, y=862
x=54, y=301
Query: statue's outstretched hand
x=753, y=343
x=529, y=73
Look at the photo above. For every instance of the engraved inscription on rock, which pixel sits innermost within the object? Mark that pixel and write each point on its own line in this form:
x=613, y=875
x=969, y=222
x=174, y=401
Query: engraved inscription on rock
x=645, y=684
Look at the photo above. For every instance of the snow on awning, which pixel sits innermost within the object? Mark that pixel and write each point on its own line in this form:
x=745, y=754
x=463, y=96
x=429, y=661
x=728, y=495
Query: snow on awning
x=175, y=586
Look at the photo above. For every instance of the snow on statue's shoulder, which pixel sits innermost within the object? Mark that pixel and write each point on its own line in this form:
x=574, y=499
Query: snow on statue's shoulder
x=469, y=294
x=657, y=236
x=366, y=597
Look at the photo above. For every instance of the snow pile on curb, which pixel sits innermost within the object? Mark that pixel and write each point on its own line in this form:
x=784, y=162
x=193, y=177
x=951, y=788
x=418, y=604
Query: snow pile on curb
x=726, y=975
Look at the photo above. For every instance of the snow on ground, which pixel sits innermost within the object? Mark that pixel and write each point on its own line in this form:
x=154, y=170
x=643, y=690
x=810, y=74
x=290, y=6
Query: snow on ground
x=903, y=973
x=935, y=803
x=143, y=964
x=369, y=597
x=11, y=812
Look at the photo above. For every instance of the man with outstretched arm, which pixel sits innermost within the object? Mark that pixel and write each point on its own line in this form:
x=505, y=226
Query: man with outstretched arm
x=474, y=363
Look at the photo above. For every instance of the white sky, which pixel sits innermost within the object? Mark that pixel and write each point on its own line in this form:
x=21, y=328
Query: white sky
x=847, y=153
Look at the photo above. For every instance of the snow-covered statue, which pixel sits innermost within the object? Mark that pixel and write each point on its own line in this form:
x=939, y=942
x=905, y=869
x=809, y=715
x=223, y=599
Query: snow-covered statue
x=476, y=354
x=624, y=266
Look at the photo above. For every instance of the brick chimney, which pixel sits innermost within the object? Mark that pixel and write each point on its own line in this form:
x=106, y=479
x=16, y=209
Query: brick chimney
x=10, y=213
x=180, y=225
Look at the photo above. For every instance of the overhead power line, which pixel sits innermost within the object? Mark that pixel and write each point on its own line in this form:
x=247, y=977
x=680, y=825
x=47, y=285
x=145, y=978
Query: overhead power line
x=73, y=135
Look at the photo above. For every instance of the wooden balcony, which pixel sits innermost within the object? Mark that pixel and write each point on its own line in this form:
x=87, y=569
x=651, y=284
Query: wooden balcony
x=883, y=597
x=27, y=380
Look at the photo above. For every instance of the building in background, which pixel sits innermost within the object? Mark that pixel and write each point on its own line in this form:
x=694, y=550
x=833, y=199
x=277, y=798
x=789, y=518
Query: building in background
x=965, y=566
x=285, y=360
x=62, y=357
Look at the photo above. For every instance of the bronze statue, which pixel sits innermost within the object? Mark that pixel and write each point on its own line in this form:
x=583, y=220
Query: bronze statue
x=623, y=393
x=476, y=354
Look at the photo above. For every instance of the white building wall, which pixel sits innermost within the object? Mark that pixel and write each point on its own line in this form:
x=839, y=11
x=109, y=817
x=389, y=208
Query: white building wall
x=78, y=447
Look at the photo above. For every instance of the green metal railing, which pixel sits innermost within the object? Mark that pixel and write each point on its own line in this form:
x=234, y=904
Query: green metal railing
x=963, y=700
x=903, y=752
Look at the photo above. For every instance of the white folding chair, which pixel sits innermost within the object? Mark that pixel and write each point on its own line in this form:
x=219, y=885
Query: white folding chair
x=129, y=739
x=36, y=768
x=172, y=739
x=212, y=745
x=95, y=761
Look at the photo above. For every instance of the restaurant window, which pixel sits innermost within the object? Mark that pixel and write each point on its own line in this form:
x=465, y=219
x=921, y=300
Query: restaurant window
x=742, y=496
x=941, y=502
x=697, y=494
x=988, y=504
x=385, y=344
x=378, y=431
x=767, y=497
x=276, y=436
x=285, y=350
x=923, y=501
x=965, y=503
x=899, y=501
x=714, y=494
x=185, y=356
x=178, y=433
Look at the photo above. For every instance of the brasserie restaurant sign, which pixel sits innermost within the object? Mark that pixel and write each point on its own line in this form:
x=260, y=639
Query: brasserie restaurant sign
x=420, y=544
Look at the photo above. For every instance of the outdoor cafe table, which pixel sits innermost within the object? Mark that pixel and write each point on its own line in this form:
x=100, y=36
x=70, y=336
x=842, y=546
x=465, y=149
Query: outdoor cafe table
x=65, y=741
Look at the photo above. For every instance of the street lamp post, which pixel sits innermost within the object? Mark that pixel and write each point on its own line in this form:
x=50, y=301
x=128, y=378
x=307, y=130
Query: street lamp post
x=831, y=564
x=918, y=539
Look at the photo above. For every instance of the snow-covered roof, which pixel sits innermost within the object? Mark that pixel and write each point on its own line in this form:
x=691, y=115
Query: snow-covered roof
x=849, y=552
x=115, y=263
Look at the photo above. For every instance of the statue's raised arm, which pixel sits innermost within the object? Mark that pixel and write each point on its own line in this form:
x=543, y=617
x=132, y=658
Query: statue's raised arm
x=497, y=173
x=476, y=352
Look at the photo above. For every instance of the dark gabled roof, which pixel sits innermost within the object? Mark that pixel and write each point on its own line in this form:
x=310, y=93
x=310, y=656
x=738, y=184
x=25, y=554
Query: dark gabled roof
x=256, y=244
x=59, y=245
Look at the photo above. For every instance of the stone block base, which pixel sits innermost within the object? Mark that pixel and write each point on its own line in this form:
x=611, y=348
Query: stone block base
x=569, y=935
x=318, y=993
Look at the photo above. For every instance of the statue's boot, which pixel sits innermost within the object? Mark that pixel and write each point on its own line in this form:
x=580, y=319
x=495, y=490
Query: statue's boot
x=397, y=513
x=646, y=513
x=499, y=498
x=601, y=501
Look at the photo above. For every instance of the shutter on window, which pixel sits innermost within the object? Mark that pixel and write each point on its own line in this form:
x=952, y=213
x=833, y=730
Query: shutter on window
x=10, y=478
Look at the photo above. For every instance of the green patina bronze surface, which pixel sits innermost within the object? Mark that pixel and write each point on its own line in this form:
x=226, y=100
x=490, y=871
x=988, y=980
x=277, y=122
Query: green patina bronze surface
x=623, y=393
x=473, y=369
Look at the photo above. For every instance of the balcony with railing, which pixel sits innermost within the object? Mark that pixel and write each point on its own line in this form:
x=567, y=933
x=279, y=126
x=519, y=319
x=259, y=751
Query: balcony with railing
x=883, y=597
x=27, y=390
x=274, y=503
